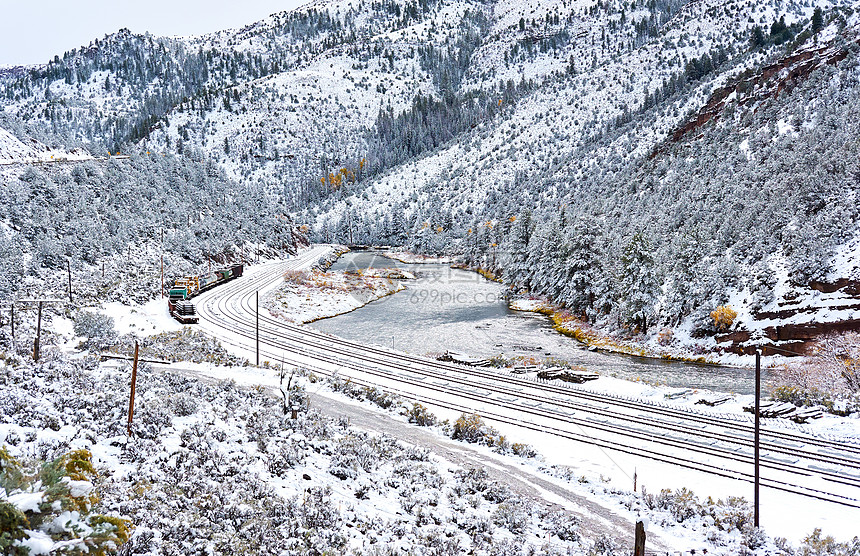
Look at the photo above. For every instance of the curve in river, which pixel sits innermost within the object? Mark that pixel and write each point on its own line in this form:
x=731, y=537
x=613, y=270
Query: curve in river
x=451, y=309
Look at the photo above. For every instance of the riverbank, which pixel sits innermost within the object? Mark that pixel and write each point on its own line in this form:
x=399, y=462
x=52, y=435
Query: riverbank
x=666, y=345
x=308, y=296
x=414, y=258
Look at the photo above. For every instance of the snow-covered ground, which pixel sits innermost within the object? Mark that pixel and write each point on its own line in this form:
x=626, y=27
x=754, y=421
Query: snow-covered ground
x=306, y=296
x=416, y=258
x=213, y=453
x=226, y=437
x=16, y=151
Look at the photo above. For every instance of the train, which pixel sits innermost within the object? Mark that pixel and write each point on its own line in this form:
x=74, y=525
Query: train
x=183, y=289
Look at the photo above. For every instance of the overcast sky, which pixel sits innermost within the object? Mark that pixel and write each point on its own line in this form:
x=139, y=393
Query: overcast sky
x=33, y=31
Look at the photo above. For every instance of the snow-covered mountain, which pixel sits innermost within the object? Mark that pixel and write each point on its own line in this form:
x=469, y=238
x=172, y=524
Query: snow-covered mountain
x=558, y=142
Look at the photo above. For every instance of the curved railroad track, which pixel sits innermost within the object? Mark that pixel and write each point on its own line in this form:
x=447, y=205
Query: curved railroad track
x=712, y=442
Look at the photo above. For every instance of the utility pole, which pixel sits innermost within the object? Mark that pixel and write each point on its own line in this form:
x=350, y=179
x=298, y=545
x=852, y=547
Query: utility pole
x=41, y=302
x=38, y=333
x=757, y=428
x=133, y=385
x=258, y=328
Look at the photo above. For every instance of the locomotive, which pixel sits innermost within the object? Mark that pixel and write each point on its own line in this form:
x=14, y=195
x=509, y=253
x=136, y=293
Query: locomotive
x=183, y=289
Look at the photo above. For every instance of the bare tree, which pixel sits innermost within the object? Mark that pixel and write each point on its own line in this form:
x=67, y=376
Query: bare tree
x=840, y=355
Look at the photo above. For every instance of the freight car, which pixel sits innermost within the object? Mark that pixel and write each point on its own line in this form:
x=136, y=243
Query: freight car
x=185, y=288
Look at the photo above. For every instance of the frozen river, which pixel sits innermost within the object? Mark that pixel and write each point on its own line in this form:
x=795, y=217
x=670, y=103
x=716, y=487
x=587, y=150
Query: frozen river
x=450, y=309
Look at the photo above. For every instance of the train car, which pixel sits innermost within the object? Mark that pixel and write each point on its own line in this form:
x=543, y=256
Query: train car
x=185, y=288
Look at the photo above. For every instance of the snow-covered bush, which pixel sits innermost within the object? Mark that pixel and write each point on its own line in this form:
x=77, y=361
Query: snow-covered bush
x=604, y=546
x=96, y=327
x=815, y=545
x=724, y=316
x=471, y=428
x=51, y=508
x=681, y=504
x=563, y=525
x=513, y=514
x=830, y=378
x=733, y=513
x=421, y=416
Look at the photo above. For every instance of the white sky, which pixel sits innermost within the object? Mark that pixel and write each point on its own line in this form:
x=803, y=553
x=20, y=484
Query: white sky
x=33, y=31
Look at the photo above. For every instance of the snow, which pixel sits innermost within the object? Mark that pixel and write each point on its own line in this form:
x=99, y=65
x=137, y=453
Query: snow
x=606, y=476
x=15, y=151
x=38, y=543
x=149, y=319
x=25, y=501
x=306, y=297
x=846, y=261
x=523, y=304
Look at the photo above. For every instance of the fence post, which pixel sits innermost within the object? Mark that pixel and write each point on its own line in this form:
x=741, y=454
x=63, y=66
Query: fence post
x=639, y=543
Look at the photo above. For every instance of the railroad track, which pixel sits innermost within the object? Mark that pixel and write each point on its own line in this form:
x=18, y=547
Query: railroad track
x=720, y=444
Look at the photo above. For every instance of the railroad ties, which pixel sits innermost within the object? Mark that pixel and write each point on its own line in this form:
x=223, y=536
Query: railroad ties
x=455, y=357
x=713, y=401
x=567, y=375
x=786, y=411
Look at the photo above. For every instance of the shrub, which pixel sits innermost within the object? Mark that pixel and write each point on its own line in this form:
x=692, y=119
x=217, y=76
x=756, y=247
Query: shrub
x=471, y=428
x=513, y=515
x=379, y=397
x=603, y=546
x=733, y=513
x=471, y=481
x=814, y=545
x=681, y=504
x=420, y=416
x=724, y=316
x=297, y=277
x=317, y=511
x=65, y=485
x=563, y=525
x=97, y=328
x=13, y=523
x=523, y=450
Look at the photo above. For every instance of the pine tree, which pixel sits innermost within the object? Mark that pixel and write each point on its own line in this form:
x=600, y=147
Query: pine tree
x=637, y=285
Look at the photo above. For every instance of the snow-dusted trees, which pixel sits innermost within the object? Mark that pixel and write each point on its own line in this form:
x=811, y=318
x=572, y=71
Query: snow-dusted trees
x=89, y=210
x=637, y=287
x=516, y=250
x=580, y=278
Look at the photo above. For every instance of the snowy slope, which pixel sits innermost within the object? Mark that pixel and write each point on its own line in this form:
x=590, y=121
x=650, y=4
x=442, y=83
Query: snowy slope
x=17, y=151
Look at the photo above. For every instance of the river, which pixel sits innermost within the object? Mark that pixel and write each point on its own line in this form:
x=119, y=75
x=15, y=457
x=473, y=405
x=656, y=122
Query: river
x=451, y=309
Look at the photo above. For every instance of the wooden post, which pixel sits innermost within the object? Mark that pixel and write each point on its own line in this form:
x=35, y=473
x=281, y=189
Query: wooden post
x=639, y=543
x=38, y=333
x=162, y=276
x=69, y=268
x=757, y=428
x=133, y=383
x=634, y=479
